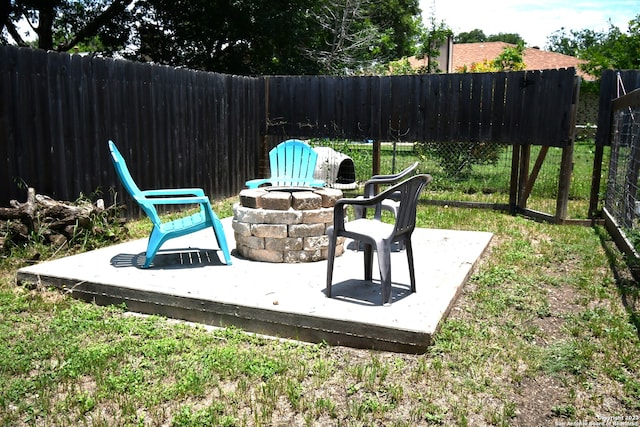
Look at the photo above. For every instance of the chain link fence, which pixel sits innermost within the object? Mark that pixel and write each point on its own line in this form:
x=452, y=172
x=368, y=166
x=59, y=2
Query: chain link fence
x=621, y=202
x=476, y=172
x=467, y=171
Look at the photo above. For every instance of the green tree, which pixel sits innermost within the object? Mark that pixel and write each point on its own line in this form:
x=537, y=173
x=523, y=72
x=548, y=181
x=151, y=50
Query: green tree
x=510, y=59
x=611, y=49
x=473, y=36
x=357, y=36
x=574, y=42
x=512, y=38
x=274, y=36
x=63, y=25
x=348, y=40
x=240, y=37
x=430, y=42
x=237, y=37
x=398, y=23
x=478, y=36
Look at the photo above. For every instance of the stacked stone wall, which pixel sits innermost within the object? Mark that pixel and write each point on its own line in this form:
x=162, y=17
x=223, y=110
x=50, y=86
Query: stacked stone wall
x=285, y=226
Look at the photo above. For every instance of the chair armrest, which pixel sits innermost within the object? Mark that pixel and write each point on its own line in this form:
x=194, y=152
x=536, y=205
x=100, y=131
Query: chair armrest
x=317, y=183
x=173, y=200
x=365, y=202
x=255, y=183
x=341, y=205
x=180, y=192
x=386, y=179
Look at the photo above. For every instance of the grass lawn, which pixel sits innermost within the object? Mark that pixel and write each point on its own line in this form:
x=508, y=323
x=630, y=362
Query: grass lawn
x=546, y=332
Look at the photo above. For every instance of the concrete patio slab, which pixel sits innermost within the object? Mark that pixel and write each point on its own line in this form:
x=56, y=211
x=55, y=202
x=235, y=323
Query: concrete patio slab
x=189, y=281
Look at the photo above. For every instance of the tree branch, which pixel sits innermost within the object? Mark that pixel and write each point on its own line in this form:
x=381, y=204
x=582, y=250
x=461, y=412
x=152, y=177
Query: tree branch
x=94, y=25
x=5, y=9
x=13, y=32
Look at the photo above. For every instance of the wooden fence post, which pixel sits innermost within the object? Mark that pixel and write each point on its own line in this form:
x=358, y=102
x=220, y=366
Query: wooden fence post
x=525, y=158
x=515, y=174
x=566, y=165
x=564, y=182
x=375, y=167
x=595, y=182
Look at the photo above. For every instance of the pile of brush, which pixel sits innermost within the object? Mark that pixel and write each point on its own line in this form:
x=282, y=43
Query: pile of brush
x=46, y=220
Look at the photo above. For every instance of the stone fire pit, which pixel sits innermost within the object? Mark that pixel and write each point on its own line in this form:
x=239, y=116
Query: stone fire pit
x=275, y=224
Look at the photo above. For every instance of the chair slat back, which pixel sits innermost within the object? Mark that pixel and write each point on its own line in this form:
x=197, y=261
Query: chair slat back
x=129, y=184
x=409, y=194
x=292, y=160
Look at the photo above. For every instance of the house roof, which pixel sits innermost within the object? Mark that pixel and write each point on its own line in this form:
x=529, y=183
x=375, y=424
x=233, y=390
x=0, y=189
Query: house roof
x=534, y=58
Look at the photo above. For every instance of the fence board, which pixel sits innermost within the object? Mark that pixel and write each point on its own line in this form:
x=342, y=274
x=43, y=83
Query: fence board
x=417, y=111
x=485, y=121
x=512, y=106
x=533, y=85
x=376, y=106
x=448, y=112
x=42, y=164
x=497, y=125
x=460, y=132
x=384, y=109
x=350, y=109
x=6, y=99
x=358, y=91
x=399, y=93
x=431, y=106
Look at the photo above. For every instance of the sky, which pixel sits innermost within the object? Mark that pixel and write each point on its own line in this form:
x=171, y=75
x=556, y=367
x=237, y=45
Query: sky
x=534, y=20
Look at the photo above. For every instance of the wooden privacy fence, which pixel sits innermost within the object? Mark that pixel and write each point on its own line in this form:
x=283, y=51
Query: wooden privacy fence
x=176, y=127
x=181, y=128
x=517, y=108
x=527, y=107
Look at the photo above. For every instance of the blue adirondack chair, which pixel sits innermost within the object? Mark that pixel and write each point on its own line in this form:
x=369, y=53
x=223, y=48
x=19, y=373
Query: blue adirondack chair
x=163, y=231
x=292, y=163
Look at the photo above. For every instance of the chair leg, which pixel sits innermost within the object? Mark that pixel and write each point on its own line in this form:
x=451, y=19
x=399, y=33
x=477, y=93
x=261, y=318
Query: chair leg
x=148, y=258
x=359, y=212
x=218, y=231
x=412, y=273
x=401, y=243
x=368, y=261
x=331, y=254
x=156, y=239
x=384, y=263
